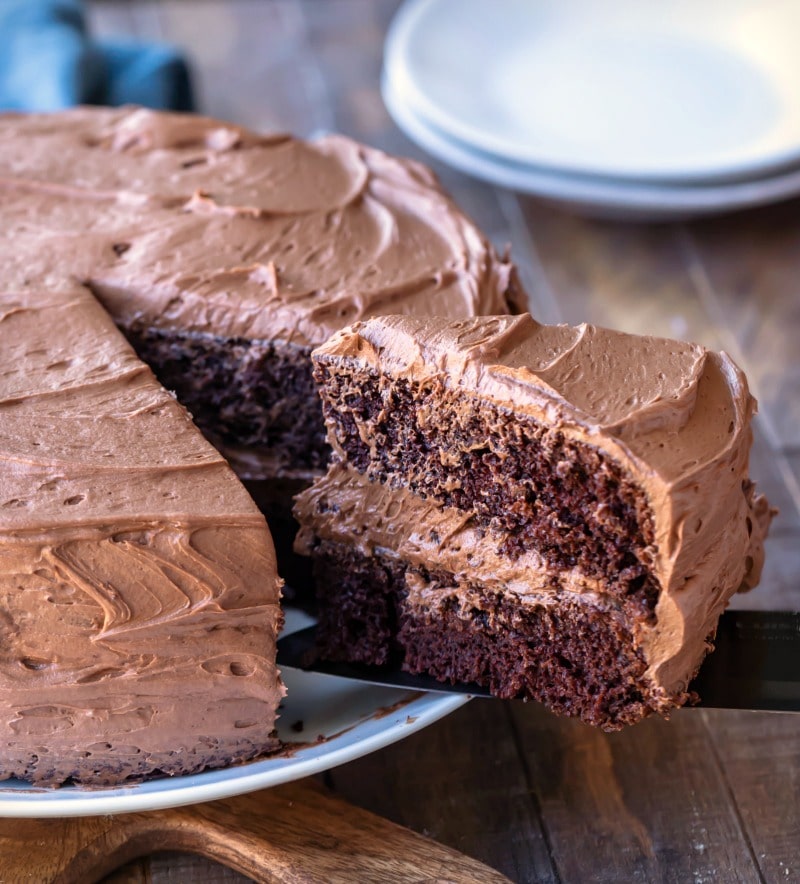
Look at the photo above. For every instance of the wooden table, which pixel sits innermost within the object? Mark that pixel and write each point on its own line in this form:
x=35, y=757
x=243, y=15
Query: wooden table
x=710, y=796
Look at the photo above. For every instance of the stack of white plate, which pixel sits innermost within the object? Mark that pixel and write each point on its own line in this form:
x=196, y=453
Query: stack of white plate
x=646, y=108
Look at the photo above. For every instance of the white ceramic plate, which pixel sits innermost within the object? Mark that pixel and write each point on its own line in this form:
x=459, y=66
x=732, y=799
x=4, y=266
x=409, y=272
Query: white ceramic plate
x=678, y=91
x=601, y=197
x=354, y=718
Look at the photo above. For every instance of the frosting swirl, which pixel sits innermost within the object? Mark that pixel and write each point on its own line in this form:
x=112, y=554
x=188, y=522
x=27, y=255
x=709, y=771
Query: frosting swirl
x=139, y=595
x=200, y=226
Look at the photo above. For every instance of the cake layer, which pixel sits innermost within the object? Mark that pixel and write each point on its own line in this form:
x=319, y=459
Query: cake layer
x=346, y=507
x=231, y=254
x=139, y=600
x=531, y=486
x=578, y=658
x=255, y=400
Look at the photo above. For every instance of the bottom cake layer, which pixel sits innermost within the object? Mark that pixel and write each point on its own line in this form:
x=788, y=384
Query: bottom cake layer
x=110, y=765
x=574, y=655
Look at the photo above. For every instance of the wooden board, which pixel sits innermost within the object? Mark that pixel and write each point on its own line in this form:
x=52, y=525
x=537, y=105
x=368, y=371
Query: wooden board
x=293, y=833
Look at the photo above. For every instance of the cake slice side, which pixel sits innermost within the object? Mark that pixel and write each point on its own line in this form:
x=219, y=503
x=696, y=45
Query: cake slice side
x=404, y=580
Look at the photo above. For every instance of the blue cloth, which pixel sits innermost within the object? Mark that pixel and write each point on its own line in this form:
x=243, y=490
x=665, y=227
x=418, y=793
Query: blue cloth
x=48, y=61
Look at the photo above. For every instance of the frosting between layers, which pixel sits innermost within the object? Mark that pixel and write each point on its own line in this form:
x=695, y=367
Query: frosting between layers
x=139, y=600
x=200, y=226
x=675, y=416
x=344, y=506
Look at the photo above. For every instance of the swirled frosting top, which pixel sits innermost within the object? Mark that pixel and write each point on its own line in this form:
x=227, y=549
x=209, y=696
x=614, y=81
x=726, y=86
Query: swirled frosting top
x=675, y=416
x=202, y=226
x=87, y=434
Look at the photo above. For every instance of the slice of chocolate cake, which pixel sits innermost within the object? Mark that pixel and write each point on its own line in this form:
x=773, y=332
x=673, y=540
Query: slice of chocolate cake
x=139, y=600
x=558, y=513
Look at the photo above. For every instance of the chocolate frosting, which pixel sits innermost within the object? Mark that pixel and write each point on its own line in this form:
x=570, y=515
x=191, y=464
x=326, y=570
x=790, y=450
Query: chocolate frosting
x=344, y=506
x=191, y=224
x=139, y=600
x=675, y=416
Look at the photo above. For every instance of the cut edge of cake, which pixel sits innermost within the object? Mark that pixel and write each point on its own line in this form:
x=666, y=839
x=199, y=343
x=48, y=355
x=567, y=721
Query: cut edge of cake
x=225, y=256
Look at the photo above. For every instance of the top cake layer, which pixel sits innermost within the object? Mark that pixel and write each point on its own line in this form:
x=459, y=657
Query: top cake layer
x=631, y=391
x=676, y=413
x=191, y=224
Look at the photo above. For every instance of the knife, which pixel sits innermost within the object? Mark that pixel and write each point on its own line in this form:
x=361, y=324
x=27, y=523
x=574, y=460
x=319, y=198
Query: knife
x=755, y=664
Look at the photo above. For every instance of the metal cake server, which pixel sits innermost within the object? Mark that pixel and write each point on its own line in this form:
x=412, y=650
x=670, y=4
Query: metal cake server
x=755, y=664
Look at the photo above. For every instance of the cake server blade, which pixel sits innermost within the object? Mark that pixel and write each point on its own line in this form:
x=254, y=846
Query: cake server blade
x=755, y=664
x=298, y=650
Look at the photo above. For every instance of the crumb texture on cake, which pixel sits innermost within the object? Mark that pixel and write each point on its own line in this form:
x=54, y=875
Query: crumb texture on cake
x=255, y=400
x=526, y=483
x=578, y=658
x=139, y=598
x=566, y=481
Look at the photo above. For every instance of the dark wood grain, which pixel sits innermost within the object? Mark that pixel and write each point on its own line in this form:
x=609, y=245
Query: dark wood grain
x=648, y=804
x=443, y=780
x=760, y=758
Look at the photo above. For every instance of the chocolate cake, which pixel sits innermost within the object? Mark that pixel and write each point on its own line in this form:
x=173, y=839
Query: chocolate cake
x=558, y=513
x=226, y=256
x=139, y=600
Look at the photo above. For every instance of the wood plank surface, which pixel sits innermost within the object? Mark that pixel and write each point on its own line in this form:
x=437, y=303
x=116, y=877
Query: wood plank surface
x=649, y=803
x=760, y=757
x=711, y=796
x=448, y=800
